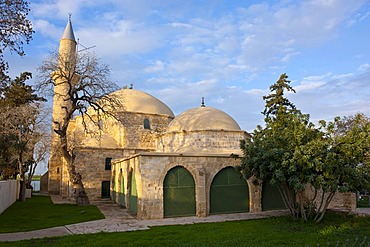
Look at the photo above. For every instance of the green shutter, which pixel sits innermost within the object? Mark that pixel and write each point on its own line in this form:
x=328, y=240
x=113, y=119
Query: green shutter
x=229, y=193
x=179, y=193
x=122, y=192
x=133, y=194
x=271, y=197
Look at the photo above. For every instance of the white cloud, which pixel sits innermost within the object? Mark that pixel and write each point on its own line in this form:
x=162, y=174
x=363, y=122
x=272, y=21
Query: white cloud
x=330, y=95
x=363, y=67
x=157, y=67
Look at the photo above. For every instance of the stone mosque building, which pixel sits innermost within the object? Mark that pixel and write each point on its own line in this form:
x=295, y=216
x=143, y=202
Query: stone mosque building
x=158, y=165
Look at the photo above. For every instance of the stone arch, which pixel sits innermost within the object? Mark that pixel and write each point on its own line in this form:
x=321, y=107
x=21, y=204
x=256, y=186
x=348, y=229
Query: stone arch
x=229, y=192
x=211, y=175
x=132, y=191
x=179, y=193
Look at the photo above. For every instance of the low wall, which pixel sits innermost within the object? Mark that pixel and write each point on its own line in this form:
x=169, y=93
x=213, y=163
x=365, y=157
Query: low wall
x=9, y=193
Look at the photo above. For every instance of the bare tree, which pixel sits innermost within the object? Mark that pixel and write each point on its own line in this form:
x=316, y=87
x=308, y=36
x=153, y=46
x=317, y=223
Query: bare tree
x=15, y=28
x=20, y=127
x=41, y=145
x=83, y=87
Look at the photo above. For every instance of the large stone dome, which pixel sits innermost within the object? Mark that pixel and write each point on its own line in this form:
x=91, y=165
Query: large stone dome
x=138, y=101
x=203, y=118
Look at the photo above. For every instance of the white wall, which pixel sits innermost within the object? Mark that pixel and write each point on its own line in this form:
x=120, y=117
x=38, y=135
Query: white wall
x=9, y=193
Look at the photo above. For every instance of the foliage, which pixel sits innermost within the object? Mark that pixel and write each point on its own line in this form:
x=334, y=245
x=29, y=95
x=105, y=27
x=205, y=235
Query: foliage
x=292, y=154
x=363, y=202
x=39, y=212
x=19, y=128
x=16, y=30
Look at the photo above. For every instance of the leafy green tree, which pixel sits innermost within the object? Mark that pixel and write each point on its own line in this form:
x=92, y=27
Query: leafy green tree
x=291, y=153
x=341, y=158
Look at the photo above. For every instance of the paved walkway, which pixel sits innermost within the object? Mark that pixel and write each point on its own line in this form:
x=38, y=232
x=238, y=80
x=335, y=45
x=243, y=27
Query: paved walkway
x=119, y=220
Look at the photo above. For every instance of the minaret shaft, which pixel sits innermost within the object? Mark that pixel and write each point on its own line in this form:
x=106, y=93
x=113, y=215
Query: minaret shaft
x=58, y=170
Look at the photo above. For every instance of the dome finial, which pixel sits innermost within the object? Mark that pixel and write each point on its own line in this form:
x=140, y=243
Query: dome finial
x=203, y=105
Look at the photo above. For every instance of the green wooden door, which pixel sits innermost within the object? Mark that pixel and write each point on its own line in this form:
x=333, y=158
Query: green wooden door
x=271, y=197
x=179, y=193
x=114, y=191
x=133, y=194
x=122, y=192
x=229, y=193
x=105, y=189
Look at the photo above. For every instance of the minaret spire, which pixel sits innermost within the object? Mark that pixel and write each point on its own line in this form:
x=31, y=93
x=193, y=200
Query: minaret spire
x=68, y=31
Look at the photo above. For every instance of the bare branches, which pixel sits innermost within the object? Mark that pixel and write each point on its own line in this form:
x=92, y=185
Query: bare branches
x=15, y=28
x=80, y=85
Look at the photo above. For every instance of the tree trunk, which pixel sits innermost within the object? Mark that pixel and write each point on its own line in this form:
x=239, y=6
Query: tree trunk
x=327, y=202
x=22, y=191
x=75, y=178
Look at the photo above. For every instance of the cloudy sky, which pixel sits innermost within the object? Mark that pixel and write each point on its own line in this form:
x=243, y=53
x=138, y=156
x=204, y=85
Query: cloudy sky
x=229, y=52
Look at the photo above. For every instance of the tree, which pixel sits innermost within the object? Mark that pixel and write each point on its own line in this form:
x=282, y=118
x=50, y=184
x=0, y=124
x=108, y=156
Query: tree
x=341, y=158
x=291, y=153
x=86, y=92
x=42, y=146
x=16, y=30
x=19, y=123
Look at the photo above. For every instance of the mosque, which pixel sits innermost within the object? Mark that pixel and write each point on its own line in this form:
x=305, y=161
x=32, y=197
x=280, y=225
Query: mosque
x=159, y=165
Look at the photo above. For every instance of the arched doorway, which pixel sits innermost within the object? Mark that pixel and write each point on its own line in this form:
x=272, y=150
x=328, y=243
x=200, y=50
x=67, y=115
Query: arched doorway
x=271, y=197
x=133, y=192
x=179, y=193
x=122, y=192
x=229, y=193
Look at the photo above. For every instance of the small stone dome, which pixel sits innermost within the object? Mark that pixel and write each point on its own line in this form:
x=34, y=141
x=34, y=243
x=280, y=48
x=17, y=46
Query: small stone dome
x=138, y=101
x=203, y=118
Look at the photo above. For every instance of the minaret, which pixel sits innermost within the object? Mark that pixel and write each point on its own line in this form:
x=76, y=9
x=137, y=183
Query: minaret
x=58, y=172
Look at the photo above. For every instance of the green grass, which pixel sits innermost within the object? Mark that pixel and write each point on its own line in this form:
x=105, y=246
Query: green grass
x=39, y=212
x=364, y=202
x=280, y=231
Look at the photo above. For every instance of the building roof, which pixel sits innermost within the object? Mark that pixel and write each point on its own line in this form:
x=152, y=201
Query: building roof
x=68, y=31
x=203, y=118
x=138, y=101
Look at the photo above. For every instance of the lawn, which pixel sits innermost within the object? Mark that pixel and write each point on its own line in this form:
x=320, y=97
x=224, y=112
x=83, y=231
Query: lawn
x=281, y=231
x=363, y=202
x=278, y=231
x=39, y=212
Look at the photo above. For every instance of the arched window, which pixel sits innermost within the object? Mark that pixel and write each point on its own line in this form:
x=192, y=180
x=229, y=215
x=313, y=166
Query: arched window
x=146, y=124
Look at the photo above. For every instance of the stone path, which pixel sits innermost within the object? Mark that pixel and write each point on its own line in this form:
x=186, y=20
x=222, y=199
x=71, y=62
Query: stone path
x=120, y=220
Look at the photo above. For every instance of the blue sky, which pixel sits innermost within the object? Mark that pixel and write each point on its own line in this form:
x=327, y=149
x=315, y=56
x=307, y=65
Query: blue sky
x=229, y=52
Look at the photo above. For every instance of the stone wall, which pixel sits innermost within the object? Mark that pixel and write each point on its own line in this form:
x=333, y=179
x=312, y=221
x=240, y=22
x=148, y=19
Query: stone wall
x=202, y=141
x=117, y=140
x=133, y=134
x=150, y=170
x=346, y=201
x=44, y=182
x=90, y=163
